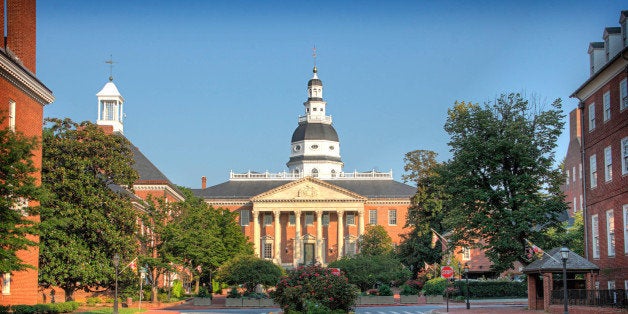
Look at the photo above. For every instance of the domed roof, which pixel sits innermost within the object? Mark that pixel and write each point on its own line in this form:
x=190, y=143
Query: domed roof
x=314, y=131
x=314, y=81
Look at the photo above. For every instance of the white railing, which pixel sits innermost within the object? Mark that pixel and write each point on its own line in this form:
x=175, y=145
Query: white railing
x=370, y=175
x=310, y=118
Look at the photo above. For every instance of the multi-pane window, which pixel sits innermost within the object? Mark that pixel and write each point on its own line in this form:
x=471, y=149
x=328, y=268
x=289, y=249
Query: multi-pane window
x=392, y=217
x=580, y=171
x=268, y=250
x=268, y=219
x=593, y=170
x=608, y=164
x=624, y=155
x=611, y=285
x=573, y=172
x=350, y=219
x=567, y=180
x=466, y=253
x=350, y=248
x=595, y=236
x=12, y=115
x=6, y=283
x=607, y=106
x=591, y=116
x=626, y=229
x=325, y=219
x=581, y=203
x=292, y=219
x=108, y=110
x=245, y=218
x=610, y=232
x=623, y=94
x=309, y=218
x=575, y=205
x=372, y=216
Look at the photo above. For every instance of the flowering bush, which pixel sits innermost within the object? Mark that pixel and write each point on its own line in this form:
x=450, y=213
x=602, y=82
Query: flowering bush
x=309, y=285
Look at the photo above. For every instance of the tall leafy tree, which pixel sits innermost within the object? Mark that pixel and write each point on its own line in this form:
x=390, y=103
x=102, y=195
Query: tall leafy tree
x=425, y=213
x=17, y=187
x=502, y=178
x=375, y=241
x=88, y=217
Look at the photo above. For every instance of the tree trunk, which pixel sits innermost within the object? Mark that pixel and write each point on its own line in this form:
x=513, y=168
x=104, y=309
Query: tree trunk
x=69, y=294
x=196, y=284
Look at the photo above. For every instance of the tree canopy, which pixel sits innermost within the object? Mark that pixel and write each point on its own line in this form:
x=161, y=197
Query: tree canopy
x=88, y=216
x=375, y=241
x=502, y=180
x=250, y=271
x=17, y=187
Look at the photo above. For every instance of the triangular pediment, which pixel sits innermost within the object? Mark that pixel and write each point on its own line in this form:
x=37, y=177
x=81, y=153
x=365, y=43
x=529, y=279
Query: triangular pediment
x=308, y=189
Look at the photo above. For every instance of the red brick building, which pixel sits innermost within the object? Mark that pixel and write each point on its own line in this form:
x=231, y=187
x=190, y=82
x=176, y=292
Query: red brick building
x=572, y=187
x=22, y=99
x=314, y=212
x=604, y=133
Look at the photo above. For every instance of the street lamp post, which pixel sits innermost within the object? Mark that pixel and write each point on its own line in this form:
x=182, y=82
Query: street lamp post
x=564, y=254
x=116, y=263
x=466, y=276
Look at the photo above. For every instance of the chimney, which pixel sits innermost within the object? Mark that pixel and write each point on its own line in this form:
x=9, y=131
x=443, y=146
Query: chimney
x=203, y=182
x=20, y=19
x=574, y=124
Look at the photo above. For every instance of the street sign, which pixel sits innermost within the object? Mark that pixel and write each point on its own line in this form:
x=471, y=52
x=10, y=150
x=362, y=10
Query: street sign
x=447, y=272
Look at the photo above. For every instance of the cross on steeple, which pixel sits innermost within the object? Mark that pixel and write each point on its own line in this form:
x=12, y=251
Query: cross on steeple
x=110, y=62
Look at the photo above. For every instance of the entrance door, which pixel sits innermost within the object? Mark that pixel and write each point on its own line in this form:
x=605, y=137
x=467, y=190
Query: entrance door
x=308, y=254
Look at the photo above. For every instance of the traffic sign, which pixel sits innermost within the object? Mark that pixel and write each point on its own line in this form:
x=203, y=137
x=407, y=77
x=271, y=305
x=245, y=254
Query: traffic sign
x=447, y=272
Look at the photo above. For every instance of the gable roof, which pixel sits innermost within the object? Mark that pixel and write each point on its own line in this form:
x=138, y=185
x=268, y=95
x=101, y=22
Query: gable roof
x=321, y=183
x=371, y=189
x=575, y=263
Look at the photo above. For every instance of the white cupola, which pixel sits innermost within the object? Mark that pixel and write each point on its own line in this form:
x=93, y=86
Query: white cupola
x=315, y=148
x=110, y=107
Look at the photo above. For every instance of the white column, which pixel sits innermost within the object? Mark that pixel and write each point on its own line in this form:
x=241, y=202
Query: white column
x=360, y=222
x=277, y=255
x=297, y=238
x=319, y=236
x=256, y=232
x=341, y=233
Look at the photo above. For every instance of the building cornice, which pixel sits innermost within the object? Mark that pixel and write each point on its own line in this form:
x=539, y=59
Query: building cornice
x=603, y=76
x=159, y=187
x=24, y=79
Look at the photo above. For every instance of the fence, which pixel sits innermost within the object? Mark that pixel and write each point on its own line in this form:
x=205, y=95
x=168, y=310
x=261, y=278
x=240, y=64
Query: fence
x=606, y=298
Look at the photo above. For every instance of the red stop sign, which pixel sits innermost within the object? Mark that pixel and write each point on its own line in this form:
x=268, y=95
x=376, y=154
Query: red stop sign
x=447, y=272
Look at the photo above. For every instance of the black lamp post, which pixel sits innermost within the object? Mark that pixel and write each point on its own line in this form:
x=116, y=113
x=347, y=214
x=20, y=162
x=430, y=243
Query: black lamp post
x=564, y=254
x=466, y=276
x=116, y=263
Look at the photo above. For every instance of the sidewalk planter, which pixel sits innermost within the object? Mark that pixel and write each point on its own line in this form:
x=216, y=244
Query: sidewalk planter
x=408, y=299
x=250, y=302
x=233, y=302
x=434, y=299
x=376, y=299
x=202, y=301
x=266, y=302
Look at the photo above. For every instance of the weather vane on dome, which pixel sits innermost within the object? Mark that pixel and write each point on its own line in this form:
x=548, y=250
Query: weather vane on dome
x=110, y=62
x=314, y=55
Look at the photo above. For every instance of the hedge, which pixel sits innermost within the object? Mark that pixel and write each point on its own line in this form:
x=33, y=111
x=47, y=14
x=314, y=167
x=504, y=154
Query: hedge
x=48, y=308
x=492, y=289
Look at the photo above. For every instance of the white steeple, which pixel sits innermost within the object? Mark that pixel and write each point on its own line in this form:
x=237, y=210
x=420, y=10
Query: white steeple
x=110, y=107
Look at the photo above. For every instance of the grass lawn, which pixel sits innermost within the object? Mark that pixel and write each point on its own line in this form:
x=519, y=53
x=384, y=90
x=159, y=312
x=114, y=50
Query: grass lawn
x=108, y=310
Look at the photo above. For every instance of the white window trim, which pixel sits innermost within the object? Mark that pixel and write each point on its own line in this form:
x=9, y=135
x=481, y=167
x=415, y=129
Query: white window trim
x=372, y=218
x=352, y=222
x=325, y=219
x=593, y=170
x=610, y=233
x=624, y=156
x=608, y=164
x=292, y=219
x=392, y=217
x=309, y=216
x=465, y=254
x=623, y=94
x=245, y=221
x=625, y=228
x=6, y=284
x=595, y=236
x=12, y=115
x=268, y=221
x=592, y=116
x=606, y=100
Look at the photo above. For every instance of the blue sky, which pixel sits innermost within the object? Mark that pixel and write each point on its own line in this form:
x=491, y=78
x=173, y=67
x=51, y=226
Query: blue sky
x=214, y=86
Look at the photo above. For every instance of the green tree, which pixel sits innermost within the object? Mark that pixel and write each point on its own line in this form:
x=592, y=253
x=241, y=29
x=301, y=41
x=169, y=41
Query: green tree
x=501, y=177
x=88, y=217
x=365, y=271
x=375, y=241
x=570, y=235
x=425, y=213
x=249, y=271
x=17, y=186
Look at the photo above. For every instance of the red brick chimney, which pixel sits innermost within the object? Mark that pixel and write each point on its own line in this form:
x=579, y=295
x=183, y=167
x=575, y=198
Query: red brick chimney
x=21, y=34
x=203, y=182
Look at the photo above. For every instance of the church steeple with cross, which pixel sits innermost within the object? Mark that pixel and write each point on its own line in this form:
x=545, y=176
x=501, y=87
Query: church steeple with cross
x=110, y=104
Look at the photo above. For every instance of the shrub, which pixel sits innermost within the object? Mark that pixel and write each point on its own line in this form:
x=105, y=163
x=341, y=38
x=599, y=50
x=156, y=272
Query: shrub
x=203, y=292
x=493, y=289
x=177, y=288
x=366, y=271
x=406, y=289
x=233, y=293
x=384, y=290
x=23, y=309
x=93, y=301
x=163, y=297
x=435, y=286
x=316, y=285
x=4, y=309
x=250, y=271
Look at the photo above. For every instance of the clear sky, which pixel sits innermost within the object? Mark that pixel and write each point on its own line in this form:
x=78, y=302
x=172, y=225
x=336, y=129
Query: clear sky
x=214, y=86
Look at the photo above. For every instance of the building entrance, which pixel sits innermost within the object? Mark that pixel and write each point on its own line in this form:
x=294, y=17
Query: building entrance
x=308, y=256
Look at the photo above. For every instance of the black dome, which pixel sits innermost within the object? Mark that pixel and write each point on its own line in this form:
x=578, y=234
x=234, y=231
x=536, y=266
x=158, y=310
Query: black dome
x=314, y=131
x=314, y=81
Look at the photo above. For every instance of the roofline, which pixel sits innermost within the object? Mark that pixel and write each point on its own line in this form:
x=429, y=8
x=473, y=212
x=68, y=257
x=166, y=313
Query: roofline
x=596, y=74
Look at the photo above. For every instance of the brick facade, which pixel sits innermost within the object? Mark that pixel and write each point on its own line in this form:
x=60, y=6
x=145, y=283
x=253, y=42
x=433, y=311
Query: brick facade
x=19, y=85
